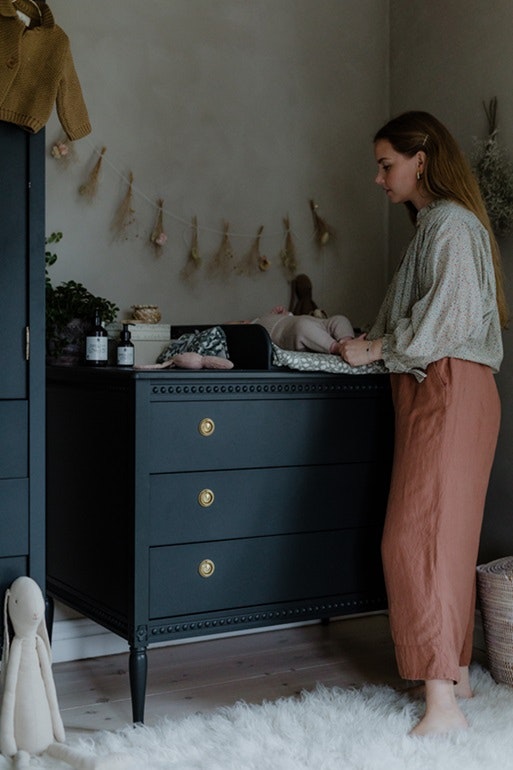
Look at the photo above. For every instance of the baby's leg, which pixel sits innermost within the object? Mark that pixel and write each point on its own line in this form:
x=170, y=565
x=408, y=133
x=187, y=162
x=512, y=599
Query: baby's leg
x=339, y=327
x=304, y=332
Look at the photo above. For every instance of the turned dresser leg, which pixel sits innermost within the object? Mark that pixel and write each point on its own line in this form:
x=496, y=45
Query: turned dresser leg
x=138, y=667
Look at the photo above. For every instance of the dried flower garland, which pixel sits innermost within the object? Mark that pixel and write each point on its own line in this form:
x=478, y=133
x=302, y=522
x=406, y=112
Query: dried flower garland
x=125, y=215
x=221, y=263
x=64, y=151
x=158, y=237
x=90, y=186
x=288, y=252
x=494, y=172
x=321, y=228
x=253, y=261
x=193, y=258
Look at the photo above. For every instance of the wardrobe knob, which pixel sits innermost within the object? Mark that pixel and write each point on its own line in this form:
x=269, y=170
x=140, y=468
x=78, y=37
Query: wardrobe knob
x=206, y=427
x=206, y=568
x=206, y=497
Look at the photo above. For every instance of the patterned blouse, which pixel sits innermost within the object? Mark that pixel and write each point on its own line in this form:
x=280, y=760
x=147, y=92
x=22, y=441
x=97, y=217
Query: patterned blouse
x=441, y=301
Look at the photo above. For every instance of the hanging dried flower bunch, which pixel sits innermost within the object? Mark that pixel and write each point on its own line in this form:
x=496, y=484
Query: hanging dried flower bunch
x=322, y=230
x=90, y=186
x=288, y=253
x=125, y=215
x=253, y=261
x=64, y=151
x=193, y=258
x=158, y=236
x=494, y=172
x=221, y=263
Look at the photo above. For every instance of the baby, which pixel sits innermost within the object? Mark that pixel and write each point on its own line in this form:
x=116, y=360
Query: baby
x=306, y=332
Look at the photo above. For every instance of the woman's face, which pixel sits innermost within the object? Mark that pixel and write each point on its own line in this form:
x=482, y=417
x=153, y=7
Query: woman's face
x=397, y=174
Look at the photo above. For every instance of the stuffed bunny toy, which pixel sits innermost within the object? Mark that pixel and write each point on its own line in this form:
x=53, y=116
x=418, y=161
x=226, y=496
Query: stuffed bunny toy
x=30, y=721
x=29, y=715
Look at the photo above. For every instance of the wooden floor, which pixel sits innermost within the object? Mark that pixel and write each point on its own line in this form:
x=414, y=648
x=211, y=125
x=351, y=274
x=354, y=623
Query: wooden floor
x=198, y=677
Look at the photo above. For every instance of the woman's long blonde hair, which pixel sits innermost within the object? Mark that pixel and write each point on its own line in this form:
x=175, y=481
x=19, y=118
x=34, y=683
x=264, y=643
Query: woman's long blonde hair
x=447, y=174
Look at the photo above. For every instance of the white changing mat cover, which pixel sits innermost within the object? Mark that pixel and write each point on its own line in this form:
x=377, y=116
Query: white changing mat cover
x=322, y=362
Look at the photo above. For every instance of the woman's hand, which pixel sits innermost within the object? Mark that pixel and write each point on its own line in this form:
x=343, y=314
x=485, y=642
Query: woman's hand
x=360, y=351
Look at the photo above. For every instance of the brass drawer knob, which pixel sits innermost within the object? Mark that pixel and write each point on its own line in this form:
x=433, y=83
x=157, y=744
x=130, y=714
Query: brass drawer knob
x=206, y=497
x=206, y=427
x=206, y=568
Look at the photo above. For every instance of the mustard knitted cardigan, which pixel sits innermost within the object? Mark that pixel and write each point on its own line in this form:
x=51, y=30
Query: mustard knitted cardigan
x=37, y=72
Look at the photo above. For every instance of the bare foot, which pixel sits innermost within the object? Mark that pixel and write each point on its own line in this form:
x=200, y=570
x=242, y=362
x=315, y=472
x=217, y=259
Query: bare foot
x=442, y=711
x=441, y=721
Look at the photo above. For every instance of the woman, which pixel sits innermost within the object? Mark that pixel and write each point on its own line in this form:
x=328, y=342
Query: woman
x=439, y=334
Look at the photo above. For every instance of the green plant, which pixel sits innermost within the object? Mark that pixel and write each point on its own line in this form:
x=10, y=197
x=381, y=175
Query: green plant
x=70, y=303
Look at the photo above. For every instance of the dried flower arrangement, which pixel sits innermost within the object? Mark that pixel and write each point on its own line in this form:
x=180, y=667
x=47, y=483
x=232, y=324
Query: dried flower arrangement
x=125, y=215
x=221, y=264
x=158, y=237
x=90, y=186
x=288, y=253
x=253, y=260
x=494, y=172
x=322, y=230
x=193, y=258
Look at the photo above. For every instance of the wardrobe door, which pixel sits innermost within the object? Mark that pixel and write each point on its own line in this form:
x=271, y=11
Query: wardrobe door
x=21, y=355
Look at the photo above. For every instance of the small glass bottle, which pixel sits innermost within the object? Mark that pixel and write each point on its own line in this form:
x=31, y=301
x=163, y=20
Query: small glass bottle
x=97, y=343
x=125, y=349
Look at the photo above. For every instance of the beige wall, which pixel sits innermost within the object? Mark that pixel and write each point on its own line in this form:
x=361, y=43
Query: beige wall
x=447, y=58
x=227, y=109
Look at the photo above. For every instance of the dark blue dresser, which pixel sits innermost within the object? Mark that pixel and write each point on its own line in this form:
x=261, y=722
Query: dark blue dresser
x=184, y=503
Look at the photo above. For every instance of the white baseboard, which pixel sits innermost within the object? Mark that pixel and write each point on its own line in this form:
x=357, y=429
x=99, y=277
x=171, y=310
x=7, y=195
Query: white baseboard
x=77, y=638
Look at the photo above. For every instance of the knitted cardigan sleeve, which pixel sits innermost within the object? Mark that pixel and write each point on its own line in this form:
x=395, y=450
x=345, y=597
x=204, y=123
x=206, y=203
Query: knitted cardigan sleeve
x=70, y=104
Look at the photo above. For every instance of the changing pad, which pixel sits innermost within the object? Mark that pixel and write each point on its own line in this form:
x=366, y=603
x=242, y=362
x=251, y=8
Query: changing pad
x=321, y=362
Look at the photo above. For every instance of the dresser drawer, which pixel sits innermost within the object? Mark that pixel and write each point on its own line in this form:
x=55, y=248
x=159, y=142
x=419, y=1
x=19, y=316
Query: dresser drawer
x=190, y=507
x=14, y=511
x=259, y=571
x=264, y=433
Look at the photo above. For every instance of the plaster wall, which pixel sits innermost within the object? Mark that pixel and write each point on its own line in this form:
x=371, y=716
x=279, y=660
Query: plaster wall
x=229, y=110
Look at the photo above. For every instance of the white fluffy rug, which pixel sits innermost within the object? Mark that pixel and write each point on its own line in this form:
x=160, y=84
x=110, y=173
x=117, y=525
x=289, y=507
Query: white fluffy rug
x=328, y=729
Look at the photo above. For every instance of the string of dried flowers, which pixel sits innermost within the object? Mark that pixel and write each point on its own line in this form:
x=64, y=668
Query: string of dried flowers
x=494, y=173
x=125, y=215
x=193, y=258
x=221, y=263
x=322, y=230
x=90, y=186
x=288, y=252
x=253, y=260
x=158, y=237
x=64, y=151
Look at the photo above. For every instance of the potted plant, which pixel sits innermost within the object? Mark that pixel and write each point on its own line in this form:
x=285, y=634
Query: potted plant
x=70, y=311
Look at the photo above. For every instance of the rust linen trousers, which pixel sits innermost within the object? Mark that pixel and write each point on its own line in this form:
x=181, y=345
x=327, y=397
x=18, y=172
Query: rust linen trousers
x=446, y=431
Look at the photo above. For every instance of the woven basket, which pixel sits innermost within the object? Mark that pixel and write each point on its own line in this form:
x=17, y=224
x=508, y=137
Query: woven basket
x=495, y=589
x=149, y=314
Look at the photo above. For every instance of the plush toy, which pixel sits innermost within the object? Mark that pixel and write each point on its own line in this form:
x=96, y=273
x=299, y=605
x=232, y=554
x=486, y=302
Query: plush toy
x=30, y=721
x=191, y=361
x=301, y=301
x=29, y=716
